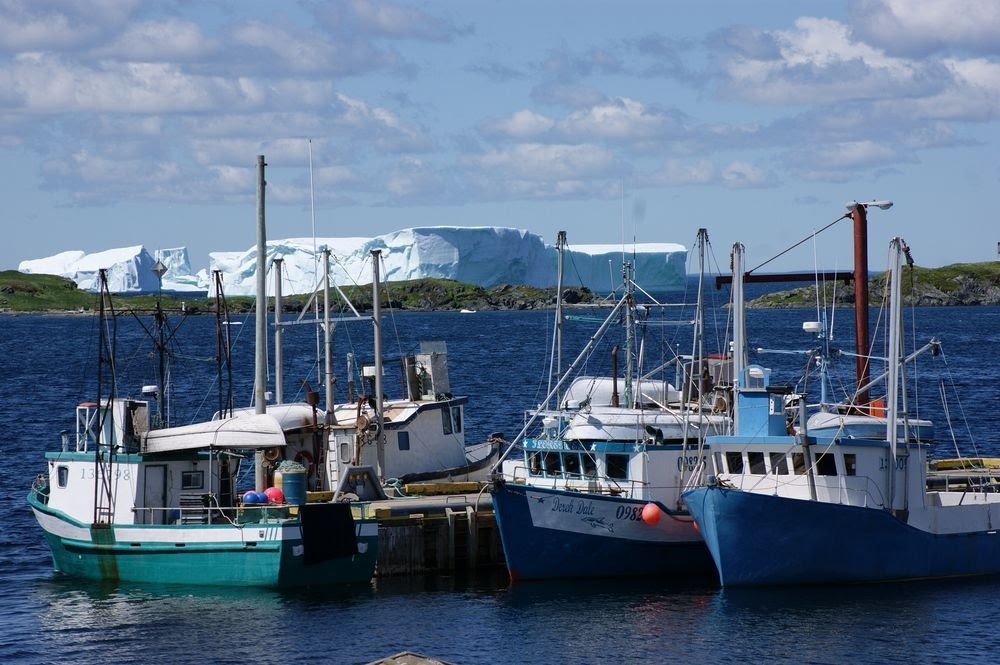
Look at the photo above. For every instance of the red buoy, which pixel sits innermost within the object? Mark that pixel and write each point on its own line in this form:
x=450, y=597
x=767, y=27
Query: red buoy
x=651, y=513
x=274, y=495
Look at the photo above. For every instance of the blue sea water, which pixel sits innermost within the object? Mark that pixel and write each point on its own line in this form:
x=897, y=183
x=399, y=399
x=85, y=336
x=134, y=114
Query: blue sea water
x=498, y=359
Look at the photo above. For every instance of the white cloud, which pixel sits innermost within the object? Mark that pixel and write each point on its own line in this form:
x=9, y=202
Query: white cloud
x=33, y=25
x=545, y=162
x=523, y=124
x=819, y=62
x=620, y=119
x=703, y=172
x=171, y=39
x=920, y=28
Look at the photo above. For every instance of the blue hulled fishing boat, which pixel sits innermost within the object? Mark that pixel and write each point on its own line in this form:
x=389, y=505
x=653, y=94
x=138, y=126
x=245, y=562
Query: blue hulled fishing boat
x=846, y=494
x=596, y=491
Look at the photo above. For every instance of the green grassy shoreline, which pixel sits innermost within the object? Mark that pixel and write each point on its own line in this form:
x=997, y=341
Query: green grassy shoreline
x=22, y=293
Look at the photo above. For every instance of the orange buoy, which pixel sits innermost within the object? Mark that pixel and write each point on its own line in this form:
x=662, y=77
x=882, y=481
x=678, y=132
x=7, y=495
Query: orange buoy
x=651, y=513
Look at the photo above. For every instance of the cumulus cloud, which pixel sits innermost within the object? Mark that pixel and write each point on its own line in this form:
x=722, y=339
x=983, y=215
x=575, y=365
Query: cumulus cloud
x=703, y=172
x=921, y=28
x=167, y=40
x=819, y=62
x=522, y=124
x=364, y=18
x=57, y=25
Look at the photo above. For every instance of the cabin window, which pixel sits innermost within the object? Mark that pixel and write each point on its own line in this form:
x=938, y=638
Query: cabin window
x=403, y=440
x=799, y=463
x=192, y=480
x=571, y=464
x=62, y=476
x=553, y=464
x=446, y=420
x=617, y=466
x=826, y=465
x=456, y=419
x=734, y=462
x=756, y=460
x=589, y=465
x=534, y=463
x=779, y=464
x=850, y=464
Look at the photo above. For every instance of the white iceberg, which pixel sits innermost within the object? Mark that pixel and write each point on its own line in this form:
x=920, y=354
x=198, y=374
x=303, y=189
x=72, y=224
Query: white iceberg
x=485, y=256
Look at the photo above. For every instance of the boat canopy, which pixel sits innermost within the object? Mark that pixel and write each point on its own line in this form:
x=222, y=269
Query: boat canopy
x=290, y=417
x=257, y=431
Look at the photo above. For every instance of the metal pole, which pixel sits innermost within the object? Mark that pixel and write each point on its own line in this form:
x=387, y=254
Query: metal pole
x=279, y=397
x=260, y=342
x=377, y=323
x=862, y=362
x=327, y=344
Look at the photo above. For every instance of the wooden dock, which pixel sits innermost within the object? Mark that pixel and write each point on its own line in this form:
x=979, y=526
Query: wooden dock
x=430, y=530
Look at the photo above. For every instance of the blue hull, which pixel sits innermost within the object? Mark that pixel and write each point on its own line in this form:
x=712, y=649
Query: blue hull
x=759, y=540
x=556, y=533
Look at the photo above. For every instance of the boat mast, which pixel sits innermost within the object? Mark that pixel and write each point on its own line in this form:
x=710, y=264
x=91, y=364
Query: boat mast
x=859, y=215
x=377, y=324
x=260, y=340
x=327, y=345
x=892, y=380
x=629, y=333
x=279, y=377
x=556, y=357
x=104, y=452
x=739, y=325
x=698, y=366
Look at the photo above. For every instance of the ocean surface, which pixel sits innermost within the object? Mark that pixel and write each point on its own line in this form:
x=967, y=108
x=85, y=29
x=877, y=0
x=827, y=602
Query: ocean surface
x=498, y=359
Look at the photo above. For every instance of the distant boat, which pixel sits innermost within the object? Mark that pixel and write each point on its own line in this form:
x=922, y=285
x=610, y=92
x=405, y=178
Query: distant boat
x=847, y=495
x=124, y=501
x=467, y=311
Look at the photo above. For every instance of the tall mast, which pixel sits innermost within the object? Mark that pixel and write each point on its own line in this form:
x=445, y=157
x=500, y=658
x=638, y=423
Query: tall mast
x=739, y=327
x=377, y=325
x=260, y=340
x=698, y=338
x=279, y=375
x=860, y=217
x=327, y=345
x=629, y=333
x=556, y=358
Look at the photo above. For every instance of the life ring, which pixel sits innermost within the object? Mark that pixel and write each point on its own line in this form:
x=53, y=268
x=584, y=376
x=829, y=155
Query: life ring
x=363, y=422
x=305, y=458
x=271, y=454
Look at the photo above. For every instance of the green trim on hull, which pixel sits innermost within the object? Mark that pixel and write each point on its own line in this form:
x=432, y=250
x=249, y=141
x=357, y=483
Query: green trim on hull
x=270, y=563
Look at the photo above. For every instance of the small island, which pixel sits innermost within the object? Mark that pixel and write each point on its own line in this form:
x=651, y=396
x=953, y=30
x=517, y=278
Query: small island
x=959, y=284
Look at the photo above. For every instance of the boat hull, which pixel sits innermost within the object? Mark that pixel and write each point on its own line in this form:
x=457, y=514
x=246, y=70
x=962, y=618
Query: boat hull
x=761, y=539
x=550, y=533
x=269, y=553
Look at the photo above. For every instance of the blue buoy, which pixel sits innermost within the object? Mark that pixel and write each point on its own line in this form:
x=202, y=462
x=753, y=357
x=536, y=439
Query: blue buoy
x=250, y=497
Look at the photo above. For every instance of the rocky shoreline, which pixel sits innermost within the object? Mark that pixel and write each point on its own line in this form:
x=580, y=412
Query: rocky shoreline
x=957, y=285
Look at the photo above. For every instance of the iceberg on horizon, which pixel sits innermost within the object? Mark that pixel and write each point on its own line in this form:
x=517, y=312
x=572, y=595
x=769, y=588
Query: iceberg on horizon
x=484, y=256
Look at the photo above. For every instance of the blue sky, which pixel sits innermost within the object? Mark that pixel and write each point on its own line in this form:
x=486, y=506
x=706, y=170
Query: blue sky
x=127, y=122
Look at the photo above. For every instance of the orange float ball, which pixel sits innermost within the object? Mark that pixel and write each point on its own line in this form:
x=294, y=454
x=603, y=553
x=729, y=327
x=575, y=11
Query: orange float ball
x=651, y=513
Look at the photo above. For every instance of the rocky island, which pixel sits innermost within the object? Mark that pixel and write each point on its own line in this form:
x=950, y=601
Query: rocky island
x=952, y=285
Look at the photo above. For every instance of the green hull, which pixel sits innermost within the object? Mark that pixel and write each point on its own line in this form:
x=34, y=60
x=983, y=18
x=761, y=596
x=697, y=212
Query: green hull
x=217, y=554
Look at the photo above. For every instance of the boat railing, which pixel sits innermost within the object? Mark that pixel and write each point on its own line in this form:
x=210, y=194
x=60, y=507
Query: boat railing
x=577, y=482
x=844, y=490
x=197, y=512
